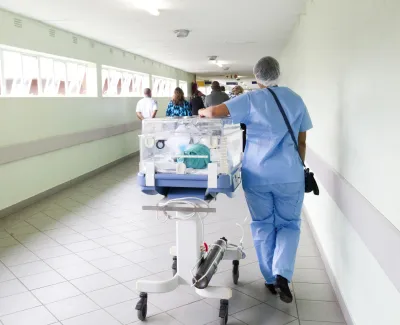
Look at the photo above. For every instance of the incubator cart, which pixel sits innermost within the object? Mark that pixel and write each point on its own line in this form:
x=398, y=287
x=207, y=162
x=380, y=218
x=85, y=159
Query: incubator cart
x=189, y=161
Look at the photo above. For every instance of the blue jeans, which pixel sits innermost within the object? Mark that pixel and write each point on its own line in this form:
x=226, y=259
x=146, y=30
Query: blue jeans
x=275, y=210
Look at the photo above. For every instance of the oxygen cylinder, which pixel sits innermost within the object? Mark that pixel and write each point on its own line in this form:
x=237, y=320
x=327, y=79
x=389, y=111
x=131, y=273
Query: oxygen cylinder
x=208, y=266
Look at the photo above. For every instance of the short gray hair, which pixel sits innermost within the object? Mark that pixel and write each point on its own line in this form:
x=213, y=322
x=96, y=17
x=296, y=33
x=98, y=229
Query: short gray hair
x=267, y=71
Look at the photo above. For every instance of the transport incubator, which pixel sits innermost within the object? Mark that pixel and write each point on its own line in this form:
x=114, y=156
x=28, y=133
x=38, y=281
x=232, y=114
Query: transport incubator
x=189, y=161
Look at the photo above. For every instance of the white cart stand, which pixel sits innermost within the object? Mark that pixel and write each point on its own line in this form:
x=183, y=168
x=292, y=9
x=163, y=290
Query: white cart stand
x=187, y=254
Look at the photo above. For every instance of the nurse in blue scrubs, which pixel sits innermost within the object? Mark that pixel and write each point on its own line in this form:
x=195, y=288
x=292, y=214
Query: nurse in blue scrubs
x=272, y=172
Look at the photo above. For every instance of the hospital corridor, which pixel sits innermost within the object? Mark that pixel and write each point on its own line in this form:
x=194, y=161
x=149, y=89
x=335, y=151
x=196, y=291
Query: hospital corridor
x=181, y=162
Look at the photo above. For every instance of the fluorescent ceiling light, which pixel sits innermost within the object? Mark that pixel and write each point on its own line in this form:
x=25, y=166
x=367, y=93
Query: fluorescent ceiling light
x=153, y=11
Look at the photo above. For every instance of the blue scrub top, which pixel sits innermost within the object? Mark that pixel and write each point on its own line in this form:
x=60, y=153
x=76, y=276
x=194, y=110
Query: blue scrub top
x=270, y=156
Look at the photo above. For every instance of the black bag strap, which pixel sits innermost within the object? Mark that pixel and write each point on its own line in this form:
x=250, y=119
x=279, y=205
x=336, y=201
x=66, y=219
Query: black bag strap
x=287, y=122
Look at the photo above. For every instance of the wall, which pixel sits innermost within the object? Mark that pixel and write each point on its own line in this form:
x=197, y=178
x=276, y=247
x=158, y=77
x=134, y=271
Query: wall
x=343, y=58
x=23, y=120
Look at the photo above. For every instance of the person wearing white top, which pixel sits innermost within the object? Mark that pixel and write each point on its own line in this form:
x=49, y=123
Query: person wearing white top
x=147, y=106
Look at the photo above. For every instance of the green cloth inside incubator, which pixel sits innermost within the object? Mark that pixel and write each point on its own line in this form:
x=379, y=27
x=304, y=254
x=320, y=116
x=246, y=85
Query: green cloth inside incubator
x=196, y=150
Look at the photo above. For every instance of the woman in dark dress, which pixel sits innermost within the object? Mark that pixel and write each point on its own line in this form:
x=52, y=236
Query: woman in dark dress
x=197, y=99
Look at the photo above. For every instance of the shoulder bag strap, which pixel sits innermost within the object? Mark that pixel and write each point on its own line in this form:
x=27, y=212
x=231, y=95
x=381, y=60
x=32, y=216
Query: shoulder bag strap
x=287, y=122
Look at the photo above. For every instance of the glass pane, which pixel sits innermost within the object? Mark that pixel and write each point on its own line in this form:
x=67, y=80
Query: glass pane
x=104, y=76
x=126, y=83
x=114, y=86
x=60, y=77
x=12, y=72
x=47, y=76
x=30, y=69
x=82, y=73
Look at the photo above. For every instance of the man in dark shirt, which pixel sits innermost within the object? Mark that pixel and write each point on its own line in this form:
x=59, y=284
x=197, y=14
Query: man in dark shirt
x=216, y=97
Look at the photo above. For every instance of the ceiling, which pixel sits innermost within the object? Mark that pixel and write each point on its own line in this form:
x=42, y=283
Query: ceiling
x=238, y=32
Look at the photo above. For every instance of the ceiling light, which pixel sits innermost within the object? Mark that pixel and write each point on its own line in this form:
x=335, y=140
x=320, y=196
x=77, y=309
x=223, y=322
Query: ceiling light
x=153, y=11
x=219, y=64
x=182, y=33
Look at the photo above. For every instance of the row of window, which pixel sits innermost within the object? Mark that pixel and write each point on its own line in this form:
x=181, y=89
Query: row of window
x=25, y=73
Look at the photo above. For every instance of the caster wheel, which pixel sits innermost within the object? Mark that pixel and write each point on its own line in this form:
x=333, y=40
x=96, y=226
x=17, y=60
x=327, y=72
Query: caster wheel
x=235, y=272
x=174, y=265
x=223, y=312
x=141, y=307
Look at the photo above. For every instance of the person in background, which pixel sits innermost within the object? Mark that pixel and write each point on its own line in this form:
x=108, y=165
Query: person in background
x=237, y=91
x=146, y=107
x=217, y=96
x=223, y=89
x=196, y=100
x=178, y=106
x=272, y=172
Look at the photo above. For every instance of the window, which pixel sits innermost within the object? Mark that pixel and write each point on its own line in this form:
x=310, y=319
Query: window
x=124, y=83
x=163, y=87
x=184, y=86
x=26, y=73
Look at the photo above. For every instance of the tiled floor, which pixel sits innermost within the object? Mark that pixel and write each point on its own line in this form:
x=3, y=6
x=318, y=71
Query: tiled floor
x=74, y=259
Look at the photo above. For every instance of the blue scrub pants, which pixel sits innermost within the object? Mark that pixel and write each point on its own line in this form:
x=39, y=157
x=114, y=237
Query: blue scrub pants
x=275, y=210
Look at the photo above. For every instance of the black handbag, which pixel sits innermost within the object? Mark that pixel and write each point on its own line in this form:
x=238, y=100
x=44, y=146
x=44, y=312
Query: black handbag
x=309, y=180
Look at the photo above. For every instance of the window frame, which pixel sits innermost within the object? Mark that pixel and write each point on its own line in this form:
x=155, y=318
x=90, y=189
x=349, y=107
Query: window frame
x=161, y=79
x=145, y=77
x=90, y=68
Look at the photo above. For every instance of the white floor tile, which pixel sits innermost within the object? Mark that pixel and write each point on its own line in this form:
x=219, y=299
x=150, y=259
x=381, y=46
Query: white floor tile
x=77, y=271
x=319, y=323
x=5, y=273
x=309, y=263
x=72, y=307
x=64, y=261
x=8, y=241
x=162, y=319
x=124, y=247
x=313, y=291
x=111, y=240
x=237, y=303
x=172, y=300
x=16, y=303
x=139, y=256
x=35, y=316
x=98, y=233
x=52, y=252
x=30, y=269
x=112, y=295
x=56, y=292
x=320, y=311
x=70, y=239
x=308, y=251
x=110, y=263
x=42, y=280
x=99, y=317
x=264, y=315
x=231, y=321
x=258, y=291
x=128, y=273
x=310, y=276
x=13, y=250
x=197, y=313
x=12, y=287
x=82, y=246
x=126, y=312
x=158, y=265
x=94, y=282
x=13, y=260
x=96, y=254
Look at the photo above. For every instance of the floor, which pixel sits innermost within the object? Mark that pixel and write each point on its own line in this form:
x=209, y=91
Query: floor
x=74, y=259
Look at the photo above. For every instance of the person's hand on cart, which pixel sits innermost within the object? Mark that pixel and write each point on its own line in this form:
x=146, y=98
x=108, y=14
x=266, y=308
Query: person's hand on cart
x=214, y=111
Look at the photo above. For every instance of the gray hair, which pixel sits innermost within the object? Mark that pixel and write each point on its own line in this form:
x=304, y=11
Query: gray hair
x=267, y=71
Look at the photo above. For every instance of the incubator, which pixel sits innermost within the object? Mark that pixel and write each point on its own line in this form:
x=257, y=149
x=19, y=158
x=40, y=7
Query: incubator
x=189, y=161
x=206, y=152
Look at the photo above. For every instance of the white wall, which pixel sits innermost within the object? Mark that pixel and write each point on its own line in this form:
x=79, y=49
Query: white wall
x=27, y=119
x=343, y=58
